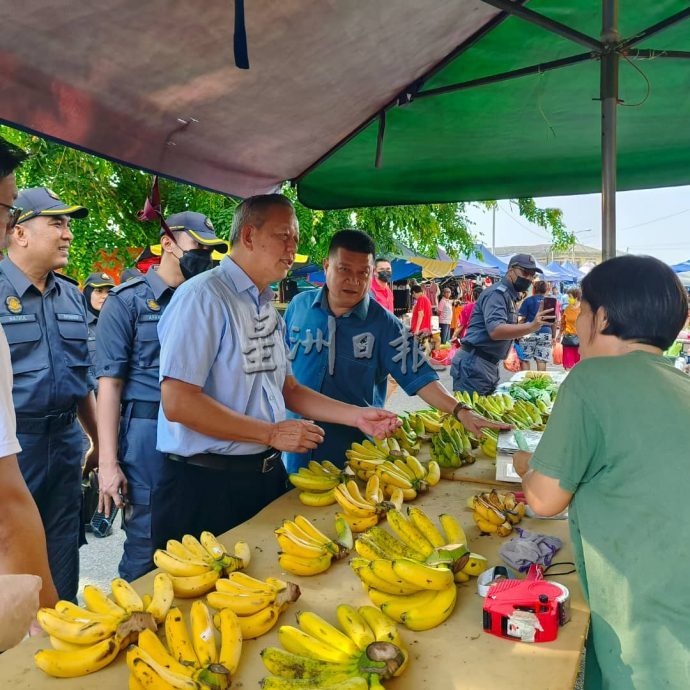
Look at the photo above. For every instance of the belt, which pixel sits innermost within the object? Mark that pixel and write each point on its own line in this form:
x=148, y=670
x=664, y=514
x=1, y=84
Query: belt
x=236, y=464
x=141, y=409
x=52, y=421
x=480, y=353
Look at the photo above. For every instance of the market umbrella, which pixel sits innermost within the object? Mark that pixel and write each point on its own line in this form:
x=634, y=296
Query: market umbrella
x=364, y=104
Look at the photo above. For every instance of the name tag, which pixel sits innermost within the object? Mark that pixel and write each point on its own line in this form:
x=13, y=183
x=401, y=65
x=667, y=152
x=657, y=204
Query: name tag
x=69, y=317
x=17, y=318
x=150, y=317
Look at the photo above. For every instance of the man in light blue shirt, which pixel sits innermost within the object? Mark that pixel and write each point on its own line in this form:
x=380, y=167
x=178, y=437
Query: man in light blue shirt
x=344, y=345
x=226, y=380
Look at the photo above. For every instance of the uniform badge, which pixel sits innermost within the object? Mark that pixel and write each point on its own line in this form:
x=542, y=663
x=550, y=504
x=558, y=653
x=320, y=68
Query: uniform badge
x=208, y=223
x=52, y=194
x=14, y=304
x=105, y=276
x=153, y=305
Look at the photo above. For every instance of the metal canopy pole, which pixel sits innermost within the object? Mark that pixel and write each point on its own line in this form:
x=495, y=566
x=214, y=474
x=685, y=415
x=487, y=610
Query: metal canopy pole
x=609, y=105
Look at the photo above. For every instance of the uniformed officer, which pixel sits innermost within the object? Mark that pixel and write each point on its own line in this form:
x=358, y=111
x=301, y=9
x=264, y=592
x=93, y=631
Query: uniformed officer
x=44, y=318
x=96, y=289
x=127, y=357
x=493, y=327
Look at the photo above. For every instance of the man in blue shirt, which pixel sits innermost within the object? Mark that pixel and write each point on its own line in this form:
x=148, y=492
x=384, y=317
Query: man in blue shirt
x=127, y=357
x=537, y=346
x=226, y=379
x=43, y=315
x=344, y=345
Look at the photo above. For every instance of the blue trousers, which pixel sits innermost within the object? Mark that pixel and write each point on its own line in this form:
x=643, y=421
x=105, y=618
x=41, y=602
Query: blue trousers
x=51, y=466
x=471, y=373
x=152, y=510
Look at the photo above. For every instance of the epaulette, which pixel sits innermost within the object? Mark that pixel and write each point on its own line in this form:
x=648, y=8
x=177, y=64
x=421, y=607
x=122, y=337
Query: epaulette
x=130, y=283
x=501, y=288
x=66, y=278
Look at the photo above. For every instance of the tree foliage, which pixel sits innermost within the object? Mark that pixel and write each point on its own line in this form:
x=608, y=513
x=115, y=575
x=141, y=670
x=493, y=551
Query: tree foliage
x=115, y=193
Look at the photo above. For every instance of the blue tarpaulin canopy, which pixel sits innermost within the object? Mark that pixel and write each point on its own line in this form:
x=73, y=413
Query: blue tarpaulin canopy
x=683, y=267
x=573, y=270
x=560, y=271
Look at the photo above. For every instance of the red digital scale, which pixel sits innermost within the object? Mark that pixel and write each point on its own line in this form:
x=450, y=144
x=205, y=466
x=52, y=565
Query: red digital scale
x=529, y=610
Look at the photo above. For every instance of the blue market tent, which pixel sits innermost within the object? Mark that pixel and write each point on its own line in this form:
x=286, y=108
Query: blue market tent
x=573, y=270
x=683, y=267
x=491, y=259
x=558, y=270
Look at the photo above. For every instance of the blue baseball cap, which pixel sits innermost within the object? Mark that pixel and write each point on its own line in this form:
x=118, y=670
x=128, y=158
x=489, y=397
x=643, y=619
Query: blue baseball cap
x=41, y=201
x=198, y=226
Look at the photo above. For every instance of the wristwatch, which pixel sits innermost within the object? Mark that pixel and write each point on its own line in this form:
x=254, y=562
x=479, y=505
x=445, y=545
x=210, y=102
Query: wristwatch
x=460, y=406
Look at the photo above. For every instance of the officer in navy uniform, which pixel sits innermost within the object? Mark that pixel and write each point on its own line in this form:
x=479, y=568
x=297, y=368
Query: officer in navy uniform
x=493, y=327
x=96, y=290
x=43, y=314
x=127, y=358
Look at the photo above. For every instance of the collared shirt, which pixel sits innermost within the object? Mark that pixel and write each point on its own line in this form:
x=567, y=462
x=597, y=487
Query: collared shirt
x=495, y=307
x=383, y=294
x=127, y=345
x=221, y=334
x=47, y=335
x=8, y=424
x=356, y=378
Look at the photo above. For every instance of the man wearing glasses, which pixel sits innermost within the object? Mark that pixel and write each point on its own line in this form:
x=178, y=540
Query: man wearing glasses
x=493, y=327
x=43, y=315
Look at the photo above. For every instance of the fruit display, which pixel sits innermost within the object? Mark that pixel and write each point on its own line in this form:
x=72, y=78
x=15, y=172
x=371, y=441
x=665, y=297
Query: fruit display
x=366, y=650
x=501, y=407
x=451, y=446
x=406, y=435
x=86, y=639
x=305, y=550
x=412, y=576
x=496, y=512
x=362, y=511
x=192, y=659
x=256, y=603
x=194, y=564
x=317, y=482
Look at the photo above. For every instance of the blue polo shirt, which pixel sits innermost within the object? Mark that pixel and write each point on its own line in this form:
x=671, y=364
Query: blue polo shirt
x=349, y=358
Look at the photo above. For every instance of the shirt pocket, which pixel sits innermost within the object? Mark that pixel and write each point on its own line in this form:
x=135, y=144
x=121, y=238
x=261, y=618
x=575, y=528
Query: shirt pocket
x=24, y=337
x=147, y=343
x=74, y=334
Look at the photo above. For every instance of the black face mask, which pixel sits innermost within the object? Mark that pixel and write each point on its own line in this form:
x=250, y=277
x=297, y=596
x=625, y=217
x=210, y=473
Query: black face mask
x=195, y=261
x=385, y=276
x=522, y=284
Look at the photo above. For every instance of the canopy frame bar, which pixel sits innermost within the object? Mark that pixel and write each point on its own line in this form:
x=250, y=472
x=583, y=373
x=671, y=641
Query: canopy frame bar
x=654, y=29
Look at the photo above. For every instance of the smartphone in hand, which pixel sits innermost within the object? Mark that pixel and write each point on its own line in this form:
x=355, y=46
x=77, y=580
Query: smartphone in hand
x=550, y=303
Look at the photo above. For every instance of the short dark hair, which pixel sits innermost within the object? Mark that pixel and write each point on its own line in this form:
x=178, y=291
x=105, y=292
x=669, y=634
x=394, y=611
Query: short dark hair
x=379, y=259
x=253, y=210
x=642, y=297
x=416, y=289
x=352, y=240
x=11, y=157
x=575, y=292
x=539, y=287
x=476, y=291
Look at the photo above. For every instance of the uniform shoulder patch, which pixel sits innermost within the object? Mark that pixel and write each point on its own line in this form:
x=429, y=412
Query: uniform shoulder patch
x=67, y=279
x=13, y=304
x=132, y=282
x=501, y=288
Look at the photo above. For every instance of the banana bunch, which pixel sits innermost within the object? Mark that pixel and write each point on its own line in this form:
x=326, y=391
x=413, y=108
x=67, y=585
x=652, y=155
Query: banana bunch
x=426, y=422
x=489, y=443
x=409, y=475
x=500, y=407
x=317, y=482
x=495, y=512
x=451, y=445
x=362, y=511
x=192, y=659
x=195, y=565
x=305, y=550
x=319, y=655
x=86, y=639
x=362, y=458
x=407, y=437
x=256, y=603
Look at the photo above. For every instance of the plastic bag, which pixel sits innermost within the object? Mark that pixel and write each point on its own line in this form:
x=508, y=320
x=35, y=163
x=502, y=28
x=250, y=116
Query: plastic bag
x=557, y=353
x=18, y=607
x=512, y=361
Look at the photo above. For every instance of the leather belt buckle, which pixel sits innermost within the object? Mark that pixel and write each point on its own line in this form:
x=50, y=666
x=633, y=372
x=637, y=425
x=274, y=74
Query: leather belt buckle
x=269, y=462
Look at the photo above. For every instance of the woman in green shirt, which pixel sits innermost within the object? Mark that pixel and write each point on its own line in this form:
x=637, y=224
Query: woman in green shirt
x=616, y=452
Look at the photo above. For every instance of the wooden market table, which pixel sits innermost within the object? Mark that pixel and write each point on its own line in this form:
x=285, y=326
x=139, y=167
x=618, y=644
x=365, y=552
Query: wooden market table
x=456, y=655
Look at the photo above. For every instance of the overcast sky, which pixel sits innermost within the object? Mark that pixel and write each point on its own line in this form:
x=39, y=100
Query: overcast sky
x=655, y=222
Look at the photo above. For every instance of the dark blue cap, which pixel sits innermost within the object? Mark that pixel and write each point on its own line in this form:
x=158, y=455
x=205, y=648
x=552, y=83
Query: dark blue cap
x=41, y=201
x=198, y=226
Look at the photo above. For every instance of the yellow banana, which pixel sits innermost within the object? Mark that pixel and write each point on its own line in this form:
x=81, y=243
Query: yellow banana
x=421, y=575
x=314, y=482
x=369, y=549
x=70, y=664
x=384, y=570
x=98, y=602
x=433, y=475
x=352, y=682
x=388, y=476
x=203, y=635
x=303, y=566
x=454, y=532
x=260, y=623
x=317, y=469
x=289, y=666
x=244, y=580
x=125, y=596
x=242, y=551
x=195, y=585
x=476, y=565
x=356, y=494
x=425, y=525
x=67, y=608
x=434, y=612
x=461, y=577
x=179, y=642
x=505, y=529
x=417, y=468
x=355, y=626
x=146, y=600
x=241, y=604
x=152, y=645
x=371, y=579
x=291, y=544
x=385, y=630
x=154, y=676
x=350, y=505
x=179, y=567
x=330, y=467
x=408, y=533
x=396, y=606
x=359, y=524
x=397, y=497
x=317, y=627
x=63, y=646
x=299, y=642
x=368, y=449
x=163, y=596
x=197, y=548
x=212, y=545
x=392, y=545
x=484, y=525
x=390, y=491
x=76, y=632
x=404, y=469
x=177, y=548
x=372, y=491
x=317, y=499
x=230, y=641
x=487, y=511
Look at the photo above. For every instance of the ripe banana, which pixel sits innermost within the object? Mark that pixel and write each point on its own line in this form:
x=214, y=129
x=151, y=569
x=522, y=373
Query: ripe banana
x=359, y=524
x=299, y=642
x=408, y=533
x=287, y=665
x=162, y=599
x=70, y=664
x=98, y=602
x=395, y=606
x=304, y=566
x=240, y=604
x=195, y=585
x=317, y=627
x=86, y=632
x=421, y=575
x=150, y=643
x=434, y=612
x=314, y=482
x=475, y=565
x=231, y=641
x=424, y=524
x=317, y=499
x=260, y=623
x=355, y=626
x=452, y=529
x=178, y=639
x=366, y=574
x=393, y=546
x=203, y=635
x=125, y=596
x=174, y=565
